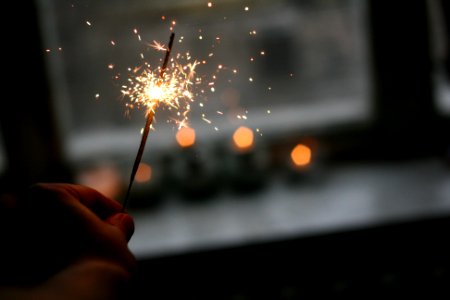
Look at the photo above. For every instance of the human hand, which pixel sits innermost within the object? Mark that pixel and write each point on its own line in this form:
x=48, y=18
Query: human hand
x=59, y=230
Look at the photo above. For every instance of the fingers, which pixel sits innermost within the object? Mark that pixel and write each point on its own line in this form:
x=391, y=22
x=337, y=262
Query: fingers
x=99, y=204
x=94, y=200
x=64, y=222
x=83, y=201
x=123, y=222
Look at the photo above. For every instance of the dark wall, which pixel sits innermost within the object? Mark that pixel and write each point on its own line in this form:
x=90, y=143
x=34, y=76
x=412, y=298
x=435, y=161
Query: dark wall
x=31, y=137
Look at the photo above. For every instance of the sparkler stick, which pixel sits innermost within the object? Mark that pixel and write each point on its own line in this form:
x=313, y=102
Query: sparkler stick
x=148, y=123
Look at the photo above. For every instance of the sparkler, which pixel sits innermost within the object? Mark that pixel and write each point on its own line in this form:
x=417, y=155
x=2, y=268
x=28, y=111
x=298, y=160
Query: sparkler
x=150, y=114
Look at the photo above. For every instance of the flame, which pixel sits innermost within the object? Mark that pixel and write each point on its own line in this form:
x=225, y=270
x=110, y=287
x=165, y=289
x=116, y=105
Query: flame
x=301, y=155
x=243, y=138
x=185, y=137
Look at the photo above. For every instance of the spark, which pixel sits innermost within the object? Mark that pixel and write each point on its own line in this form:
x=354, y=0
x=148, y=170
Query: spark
x=158, y=46
x=88, y=23
x=246, y=8
x=210, y=4
x=113, y=43
x=173, y=23
x=148, y=89
x=182, y=124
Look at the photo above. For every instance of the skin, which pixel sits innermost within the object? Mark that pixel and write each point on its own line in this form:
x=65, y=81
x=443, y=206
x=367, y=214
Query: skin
x=64, y=241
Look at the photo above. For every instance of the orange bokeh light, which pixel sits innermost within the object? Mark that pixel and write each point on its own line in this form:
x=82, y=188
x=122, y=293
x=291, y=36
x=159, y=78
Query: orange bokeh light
x=144, y=173
x=185, y=137
x=105, y=178
x=243, y=138
x=301, y=155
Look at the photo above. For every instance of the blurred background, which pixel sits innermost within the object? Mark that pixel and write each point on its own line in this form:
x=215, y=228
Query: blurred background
x=325, y=172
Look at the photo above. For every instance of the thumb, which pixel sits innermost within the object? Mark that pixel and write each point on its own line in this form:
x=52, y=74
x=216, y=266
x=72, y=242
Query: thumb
x=124, y=222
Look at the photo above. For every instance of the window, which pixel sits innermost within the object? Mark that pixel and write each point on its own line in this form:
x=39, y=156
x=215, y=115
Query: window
x=300, y=85
x=300, y=65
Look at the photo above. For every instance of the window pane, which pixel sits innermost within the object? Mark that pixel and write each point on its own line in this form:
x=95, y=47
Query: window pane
x=299, y=65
